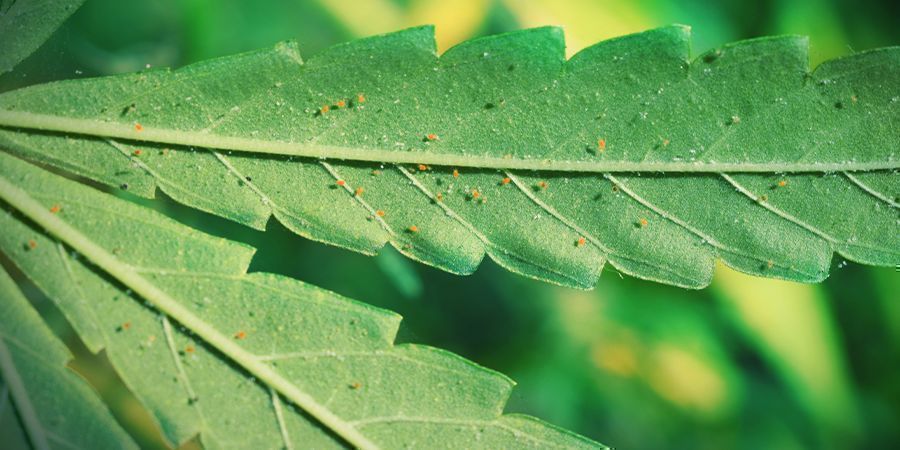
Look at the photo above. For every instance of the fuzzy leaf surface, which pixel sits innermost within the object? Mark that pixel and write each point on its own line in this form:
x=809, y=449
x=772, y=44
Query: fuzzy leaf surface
x=245, y=360
x=629, y=153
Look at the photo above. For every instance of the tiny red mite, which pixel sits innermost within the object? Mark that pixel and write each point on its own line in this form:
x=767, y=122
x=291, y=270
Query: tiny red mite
x=340, y=182
x=413, y=229
x=138, y=152
x=138, y=127
x=55, y=209
x=341, y=104
x=240, y=335
x=505, y=180
x=643, y=222
x=32, y=244
x=580, y=242
x=782, y=183
x=432, y=137
x=379, y=213
x=359, y=191
x=423, y=167
x=601, y=145
x=455, y=173
x=360, y=98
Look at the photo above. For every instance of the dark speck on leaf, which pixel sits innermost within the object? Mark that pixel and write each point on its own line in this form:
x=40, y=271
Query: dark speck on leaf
x=128, y=109
x=124, y=186
x=712, y=56
x=839, y=105
x=489, y=105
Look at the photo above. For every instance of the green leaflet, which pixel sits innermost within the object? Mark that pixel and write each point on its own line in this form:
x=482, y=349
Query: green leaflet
x=537, y=190
x=245, y=360
x=43, y=404
x=26, y=24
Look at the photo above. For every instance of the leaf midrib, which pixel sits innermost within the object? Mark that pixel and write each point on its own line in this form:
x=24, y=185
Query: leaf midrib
x=99, y=128
x=132, y=278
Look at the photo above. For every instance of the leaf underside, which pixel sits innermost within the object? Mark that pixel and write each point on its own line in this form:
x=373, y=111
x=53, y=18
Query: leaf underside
x=337, y=351
x=627, y=153
x=42, y=403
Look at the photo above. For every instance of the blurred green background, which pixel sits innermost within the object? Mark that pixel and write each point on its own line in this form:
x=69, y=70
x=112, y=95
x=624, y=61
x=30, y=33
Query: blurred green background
x=747, y=363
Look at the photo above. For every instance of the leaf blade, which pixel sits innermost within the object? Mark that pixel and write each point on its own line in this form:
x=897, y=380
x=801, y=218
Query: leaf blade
x=338, y=355
x=537, y=52
x=26, y=24
x=676, y=116
x=56, y=407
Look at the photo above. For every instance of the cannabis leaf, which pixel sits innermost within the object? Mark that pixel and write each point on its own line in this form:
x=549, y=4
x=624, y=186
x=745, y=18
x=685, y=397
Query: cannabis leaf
x=627, y=153
x=26, y=24
x=43, y=403
x=245, y=360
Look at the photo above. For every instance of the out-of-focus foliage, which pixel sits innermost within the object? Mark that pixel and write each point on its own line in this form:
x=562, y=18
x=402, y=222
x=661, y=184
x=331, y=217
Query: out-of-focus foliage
x=746, y=364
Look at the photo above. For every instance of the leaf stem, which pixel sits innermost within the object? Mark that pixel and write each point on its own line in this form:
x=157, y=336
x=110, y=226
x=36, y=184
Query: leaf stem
x=130, y=277
x=91, y=127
